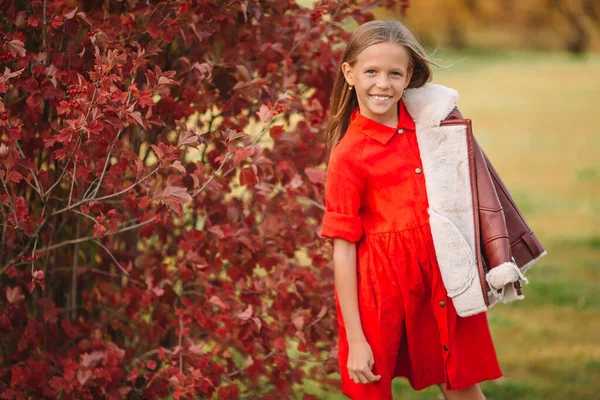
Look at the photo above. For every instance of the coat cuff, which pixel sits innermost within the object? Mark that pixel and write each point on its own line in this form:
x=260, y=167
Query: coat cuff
x=501, y=280
x=341, y=226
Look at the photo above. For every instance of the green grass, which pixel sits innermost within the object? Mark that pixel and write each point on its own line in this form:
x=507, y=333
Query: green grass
x=535, y=115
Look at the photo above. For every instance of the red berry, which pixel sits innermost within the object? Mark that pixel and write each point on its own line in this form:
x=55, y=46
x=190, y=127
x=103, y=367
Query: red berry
x=90, y=34
x=119, y=66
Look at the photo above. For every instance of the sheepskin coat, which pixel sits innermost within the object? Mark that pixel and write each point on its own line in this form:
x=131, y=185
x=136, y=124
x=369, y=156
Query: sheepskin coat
x=474, y=221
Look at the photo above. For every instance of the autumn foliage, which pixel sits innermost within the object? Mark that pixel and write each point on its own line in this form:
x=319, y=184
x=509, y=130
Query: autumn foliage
x=162, y=177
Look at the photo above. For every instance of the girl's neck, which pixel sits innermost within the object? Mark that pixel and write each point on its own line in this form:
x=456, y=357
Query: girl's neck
x=390, y=120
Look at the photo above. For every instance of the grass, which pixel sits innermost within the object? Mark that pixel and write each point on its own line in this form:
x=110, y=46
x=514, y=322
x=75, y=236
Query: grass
x=535, y=115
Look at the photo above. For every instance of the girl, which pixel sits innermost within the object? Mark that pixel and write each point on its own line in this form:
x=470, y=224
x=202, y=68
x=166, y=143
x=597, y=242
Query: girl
x=416, y=213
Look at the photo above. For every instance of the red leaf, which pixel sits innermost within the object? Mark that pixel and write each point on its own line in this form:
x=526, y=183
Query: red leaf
x=14, y=295
x=83, y=171
x=196, y=348
x=151, y=365
x=159, y=153
x=247, y=314
x=16, y=376
x=176, y=193
x=17, y=47
x=279, y=344
x=57, y=22
x=216, y=229
x=99, y=231
x=315, y=175
x=90, y=360
x=69, y=329
x=187, y=138
x=298, y=321
x=83, y=376
x=119, y=96
x=241, y=155
x=12, y=272
x=95, y=127
x=71, y=14
x=145, y=99
x=15, y=176
x=49, y=310
x=229, y=392
x=248, y=177
x=264, y=113
x=177, y=165
x=153, y=27
x=218, y=302
x=143, y=202
x=276, y=131
x=137, y=116
x=20, y=20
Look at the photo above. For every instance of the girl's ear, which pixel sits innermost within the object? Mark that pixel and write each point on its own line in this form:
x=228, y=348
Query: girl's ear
x=348, y=74
x=409, y=76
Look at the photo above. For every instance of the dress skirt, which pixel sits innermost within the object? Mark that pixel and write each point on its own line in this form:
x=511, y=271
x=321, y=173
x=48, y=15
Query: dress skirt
x=410, y=322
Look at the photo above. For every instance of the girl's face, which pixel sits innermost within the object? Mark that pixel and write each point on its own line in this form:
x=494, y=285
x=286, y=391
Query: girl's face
x=379, y=76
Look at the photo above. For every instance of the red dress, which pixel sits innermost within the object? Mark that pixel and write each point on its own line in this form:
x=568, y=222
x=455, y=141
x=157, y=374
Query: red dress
x=375, y=195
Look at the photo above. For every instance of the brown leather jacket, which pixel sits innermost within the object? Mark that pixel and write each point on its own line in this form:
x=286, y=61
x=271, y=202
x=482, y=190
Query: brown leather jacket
x=503, y=234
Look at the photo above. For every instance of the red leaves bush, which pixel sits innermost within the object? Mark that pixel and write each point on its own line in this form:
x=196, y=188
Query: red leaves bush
x=161, y=171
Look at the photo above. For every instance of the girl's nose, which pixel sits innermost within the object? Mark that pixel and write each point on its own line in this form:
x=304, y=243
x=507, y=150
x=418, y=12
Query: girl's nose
x=383, y=83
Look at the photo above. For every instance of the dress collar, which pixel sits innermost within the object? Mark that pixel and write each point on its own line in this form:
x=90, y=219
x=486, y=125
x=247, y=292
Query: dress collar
x=378, y=131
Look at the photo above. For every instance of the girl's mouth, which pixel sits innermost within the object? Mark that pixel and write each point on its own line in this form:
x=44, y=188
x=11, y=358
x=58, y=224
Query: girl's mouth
x=381, y=98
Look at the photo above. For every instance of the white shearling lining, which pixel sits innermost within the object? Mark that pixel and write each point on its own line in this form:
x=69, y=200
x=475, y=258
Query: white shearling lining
x=501, y=280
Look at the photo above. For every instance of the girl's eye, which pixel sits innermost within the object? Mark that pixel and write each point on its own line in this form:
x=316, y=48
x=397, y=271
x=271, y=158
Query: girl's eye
x=371, y=71
x=397, y=73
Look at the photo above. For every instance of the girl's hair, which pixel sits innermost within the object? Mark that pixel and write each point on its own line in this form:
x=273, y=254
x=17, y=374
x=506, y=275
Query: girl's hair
x=344, y=101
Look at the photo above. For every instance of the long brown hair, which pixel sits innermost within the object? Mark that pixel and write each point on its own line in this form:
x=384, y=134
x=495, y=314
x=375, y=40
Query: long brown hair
x=344, y=101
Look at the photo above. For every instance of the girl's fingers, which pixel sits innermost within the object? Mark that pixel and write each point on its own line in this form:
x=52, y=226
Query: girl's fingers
x=361, y=377
x=366, y=377
x=372, y=377
x=354, y=377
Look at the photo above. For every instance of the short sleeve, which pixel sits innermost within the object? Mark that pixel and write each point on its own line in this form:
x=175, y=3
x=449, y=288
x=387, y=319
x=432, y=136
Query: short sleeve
x=343, y=191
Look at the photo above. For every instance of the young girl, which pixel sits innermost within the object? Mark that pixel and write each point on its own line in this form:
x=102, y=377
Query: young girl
x=417, y=223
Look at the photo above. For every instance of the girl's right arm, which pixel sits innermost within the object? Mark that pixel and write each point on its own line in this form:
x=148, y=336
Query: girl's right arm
x=342, y=222
x=344, y=265
x=360, y=359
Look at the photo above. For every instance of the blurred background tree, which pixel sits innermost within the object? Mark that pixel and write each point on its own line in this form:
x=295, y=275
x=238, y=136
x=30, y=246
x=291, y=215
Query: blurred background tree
x=572, y=25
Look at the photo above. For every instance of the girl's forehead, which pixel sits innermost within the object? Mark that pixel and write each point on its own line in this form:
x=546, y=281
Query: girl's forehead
x=384, y=53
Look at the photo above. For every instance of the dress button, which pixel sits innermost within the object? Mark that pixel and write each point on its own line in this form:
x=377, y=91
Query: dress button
x=418, y=170
x=400, y=131
x=445, y=348
x=442, y=304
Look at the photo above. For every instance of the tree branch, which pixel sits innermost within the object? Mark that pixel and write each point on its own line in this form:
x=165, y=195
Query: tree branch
x=74, y=274
x=12, y=208
x=105, y=197
x=65, y=168
x=213, y=176
x=87, y=238
x=112, y=256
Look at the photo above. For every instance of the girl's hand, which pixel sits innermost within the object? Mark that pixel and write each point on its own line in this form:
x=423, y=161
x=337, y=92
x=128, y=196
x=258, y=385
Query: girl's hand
x=360, y=362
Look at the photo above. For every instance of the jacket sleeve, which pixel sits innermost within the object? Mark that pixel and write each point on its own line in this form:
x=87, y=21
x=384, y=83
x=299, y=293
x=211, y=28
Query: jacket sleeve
x=504, y=274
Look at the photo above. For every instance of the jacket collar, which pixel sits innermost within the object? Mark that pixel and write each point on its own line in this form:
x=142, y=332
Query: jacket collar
x=430, y=104
x=380, y=132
